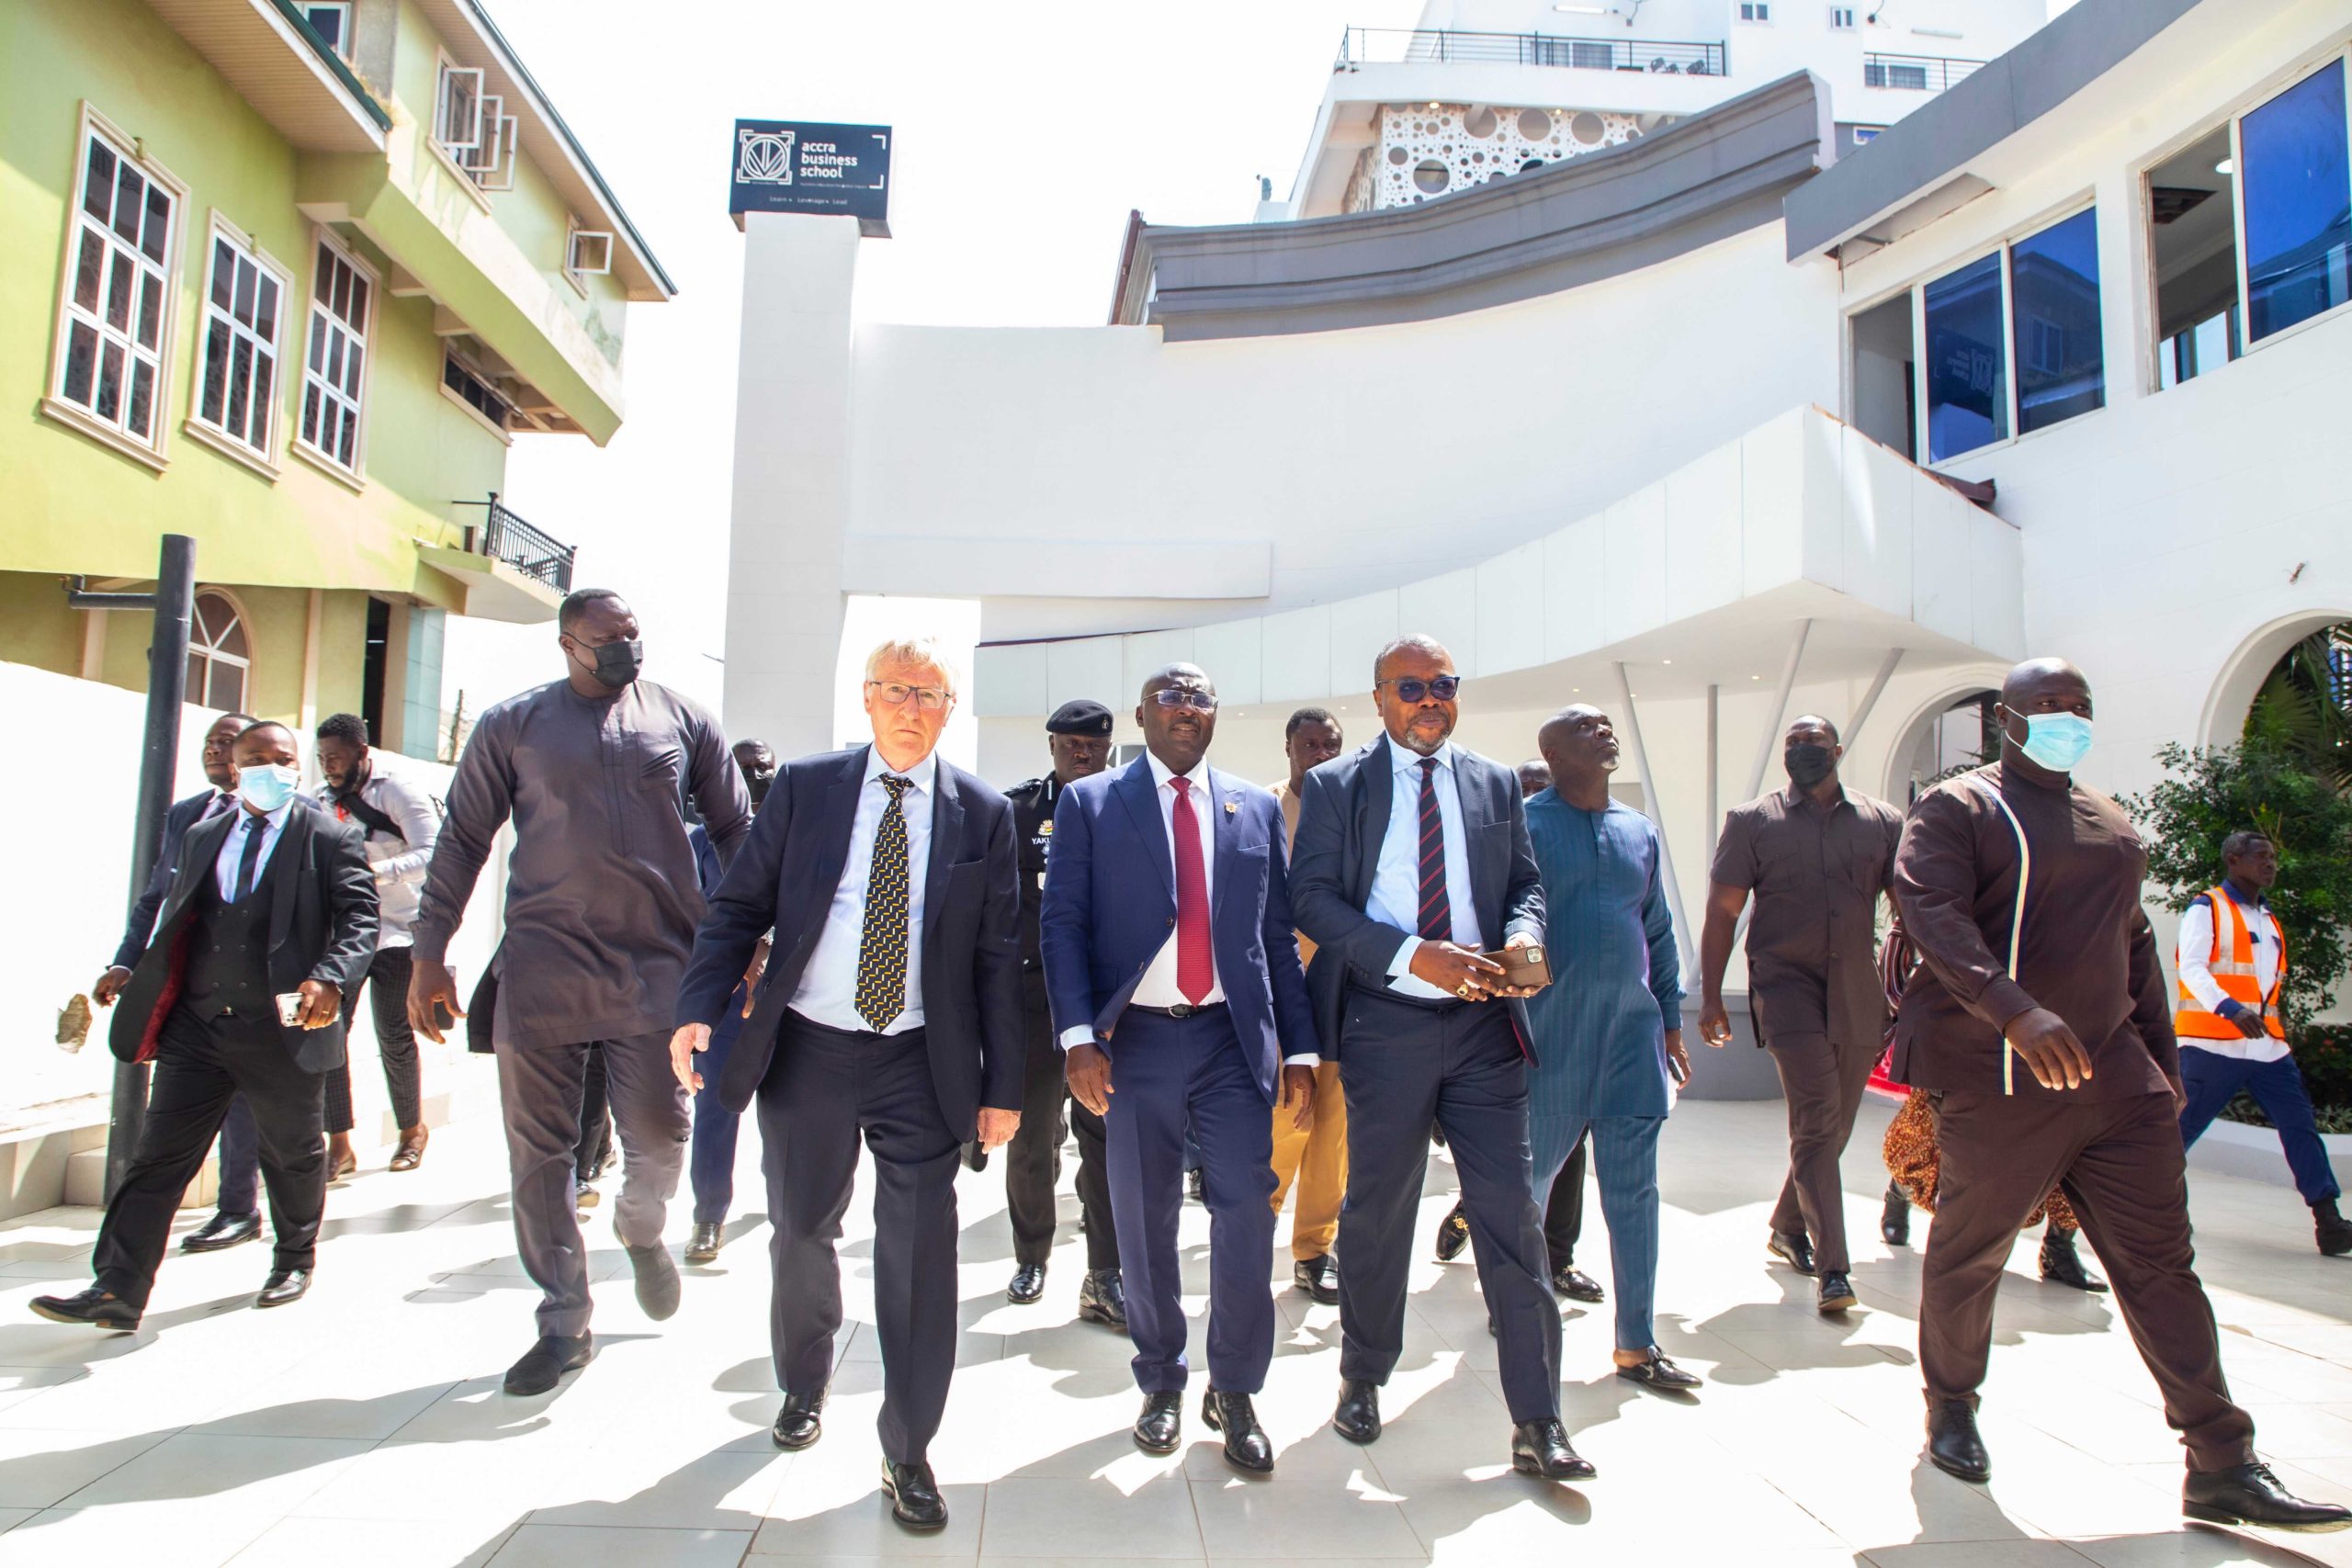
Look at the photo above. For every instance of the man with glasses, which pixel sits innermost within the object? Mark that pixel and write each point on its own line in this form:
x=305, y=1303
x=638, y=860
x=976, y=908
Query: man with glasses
x=1178, y=999
x=889, y=1012
x=1412, y=857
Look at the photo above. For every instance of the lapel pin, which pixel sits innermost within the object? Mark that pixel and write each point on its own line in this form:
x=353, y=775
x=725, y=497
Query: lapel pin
x=1231, y=807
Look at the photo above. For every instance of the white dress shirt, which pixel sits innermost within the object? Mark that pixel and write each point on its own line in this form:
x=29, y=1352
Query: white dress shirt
x=2195, y=956
x=232, y=848
x=828, y=992
x=1395, y=897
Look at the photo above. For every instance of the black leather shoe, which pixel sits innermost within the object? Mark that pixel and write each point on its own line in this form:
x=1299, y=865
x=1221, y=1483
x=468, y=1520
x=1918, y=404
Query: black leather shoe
x=2331, y=1229
x=1953, y=1446
x=284, y=1287
x=702, y=1245
x=93, y=1307
x=1246, y=1445
x=1659, y=1373
x=1794, y=1249
x=1575, y=1284
x=2062, y=1265
x=1453, y=1235
x=1358, y=1415
x=1541, y=1448
x=657, y=1280
x=2250, y=1494
x=544, y=1364
x=1196, y=1185
x=1895, y=1218
x=1161, y=1425
x=1103, y=1298
x=914, y=1496
x=800, y=1423
x=1028, y=1286
x=219, y=1231
x=1318, y=1277
x=1837, y=1293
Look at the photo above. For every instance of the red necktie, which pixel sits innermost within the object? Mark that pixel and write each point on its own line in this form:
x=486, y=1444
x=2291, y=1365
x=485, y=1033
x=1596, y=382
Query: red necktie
x=1195, y=967
x=1437, y=912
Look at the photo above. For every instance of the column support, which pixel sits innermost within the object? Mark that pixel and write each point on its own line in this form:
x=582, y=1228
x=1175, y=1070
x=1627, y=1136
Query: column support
x=1682, y=938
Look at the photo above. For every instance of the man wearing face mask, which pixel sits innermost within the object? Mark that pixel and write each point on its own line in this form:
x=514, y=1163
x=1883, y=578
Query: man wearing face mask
x=2047, y=1047
x=602, y=900
x=1816, y=855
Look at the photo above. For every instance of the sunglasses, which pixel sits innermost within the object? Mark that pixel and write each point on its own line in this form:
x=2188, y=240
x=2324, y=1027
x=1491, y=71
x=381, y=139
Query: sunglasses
x=930, y=699
x=1412, y=689
x=1178, y=697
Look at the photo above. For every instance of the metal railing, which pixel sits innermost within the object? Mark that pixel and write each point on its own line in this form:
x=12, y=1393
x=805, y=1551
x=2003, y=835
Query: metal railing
x=1915, y=72
x=1408, y=46
x=504, y=536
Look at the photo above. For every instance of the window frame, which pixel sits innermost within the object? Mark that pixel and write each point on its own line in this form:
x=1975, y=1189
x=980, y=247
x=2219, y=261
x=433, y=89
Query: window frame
x=1850, y=21
x=205, y=651
x=472, y=367
x=343, y=49
x=355, y=475
x=154, y=449
x=1763, y=17
x=219, y=437
x=2341, y=58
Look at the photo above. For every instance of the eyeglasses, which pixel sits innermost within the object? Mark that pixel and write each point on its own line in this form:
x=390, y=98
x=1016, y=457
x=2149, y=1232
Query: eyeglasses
x=1412, y=689
x=930, y=699
x=1179, y=697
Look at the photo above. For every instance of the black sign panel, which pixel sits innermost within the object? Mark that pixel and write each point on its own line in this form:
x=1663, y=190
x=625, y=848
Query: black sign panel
x=786, y=165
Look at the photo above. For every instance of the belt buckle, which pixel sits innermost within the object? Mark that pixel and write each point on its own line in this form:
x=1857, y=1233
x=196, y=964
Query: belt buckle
x=1183, y=1010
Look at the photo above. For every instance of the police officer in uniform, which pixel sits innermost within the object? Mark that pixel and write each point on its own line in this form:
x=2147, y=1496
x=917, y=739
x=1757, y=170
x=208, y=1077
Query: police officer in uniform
x=1078, y=736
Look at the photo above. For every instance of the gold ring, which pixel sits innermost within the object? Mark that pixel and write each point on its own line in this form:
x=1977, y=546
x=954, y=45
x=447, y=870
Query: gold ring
x=1463, y=990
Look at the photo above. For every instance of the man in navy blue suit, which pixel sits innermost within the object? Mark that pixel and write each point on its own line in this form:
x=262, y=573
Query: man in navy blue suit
x=1172, y=968
x=889, y=1012
x=1411, y=860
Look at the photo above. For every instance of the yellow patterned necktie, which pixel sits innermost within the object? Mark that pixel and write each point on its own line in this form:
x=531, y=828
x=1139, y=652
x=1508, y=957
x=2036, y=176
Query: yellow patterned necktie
x=882, y=946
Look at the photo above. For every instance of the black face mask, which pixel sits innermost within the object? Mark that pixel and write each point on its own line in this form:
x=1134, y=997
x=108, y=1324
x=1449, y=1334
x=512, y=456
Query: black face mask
x=1808, y=764
x=618, y=662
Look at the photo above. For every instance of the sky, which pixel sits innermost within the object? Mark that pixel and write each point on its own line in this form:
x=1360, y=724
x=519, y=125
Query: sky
x=1023, y=136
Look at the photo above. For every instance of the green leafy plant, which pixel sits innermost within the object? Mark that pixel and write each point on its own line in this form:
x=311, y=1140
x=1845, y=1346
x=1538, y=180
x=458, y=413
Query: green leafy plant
x=2304, y=709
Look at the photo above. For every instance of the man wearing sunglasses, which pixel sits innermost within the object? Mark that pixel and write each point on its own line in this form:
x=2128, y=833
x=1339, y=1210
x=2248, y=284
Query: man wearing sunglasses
x=1412, y=857
x=889, y=1012
x=1172, y=970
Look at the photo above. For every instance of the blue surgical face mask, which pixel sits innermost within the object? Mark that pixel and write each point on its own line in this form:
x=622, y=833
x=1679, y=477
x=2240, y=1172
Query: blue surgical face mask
x=2056, y=740
x=266, y=787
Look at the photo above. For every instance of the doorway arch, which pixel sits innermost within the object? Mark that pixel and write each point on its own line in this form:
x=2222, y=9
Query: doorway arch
x=2248, y=666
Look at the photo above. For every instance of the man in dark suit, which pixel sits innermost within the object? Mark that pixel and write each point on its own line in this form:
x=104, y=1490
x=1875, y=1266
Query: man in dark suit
x=270, y=917
x=1174, y=935
x=890, y=1009
x=236, y=1214
x=1412, y=856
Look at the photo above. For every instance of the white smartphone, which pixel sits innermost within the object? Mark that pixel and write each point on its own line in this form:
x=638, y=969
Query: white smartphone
x=289, y=1008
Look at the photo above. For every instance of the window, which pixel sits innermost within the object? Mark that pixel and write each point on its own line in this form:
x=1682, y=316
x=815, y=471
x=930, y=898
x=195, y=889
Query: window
x=332, y=22
x=1755, y=11
x=474, y=389
x=2033, y=304
x=2297, y=179
x=457, y=109
x=1841, y=18
x=219, y=661
x=334, y=365
x=589, y=252
x=1881, y=375
x=1909, y=78
x=1968, y=398
x=237, y=380
x=1866, y=134
x=2053, y=295
x=113, y=307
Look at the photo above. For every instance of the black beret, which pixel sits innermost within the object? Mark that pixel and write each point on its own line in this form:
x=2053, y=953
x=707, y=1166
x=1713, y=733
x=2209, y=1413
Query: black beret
x=1079, y=716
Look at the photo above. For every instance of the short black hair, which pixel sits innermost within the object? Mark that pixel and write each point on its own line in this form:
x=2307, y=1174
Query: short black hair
x=266, y=724
x=1808, y=720
x=1308, y=716
x=2243, y=842
x=245, y=720
x=576, y=603
x=348, y=728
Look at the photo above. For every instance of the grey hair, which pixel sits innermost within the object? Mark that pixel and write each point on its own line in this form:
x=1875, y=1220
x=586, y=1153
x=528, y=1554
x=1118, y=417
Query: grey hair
x=924, y=650
x=1422, y=641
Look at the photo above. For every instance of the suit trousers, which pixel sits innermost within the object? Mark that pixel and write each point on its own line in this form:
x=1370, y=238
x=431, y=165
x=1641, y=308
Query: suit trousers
x=711, y=1168
x=1563, y=1207
x=825, y=1089
x=1317, y=1160
x=1624, y=1151
x=240, y=1160
x=1033, y=1159
x=540, y=1087
x=2213, y=1080
x=202, y=1063
x=1822, y=1079
x=387, y=983
x=2121, y=1165
x=1167, y=1073
x=1458, y=1064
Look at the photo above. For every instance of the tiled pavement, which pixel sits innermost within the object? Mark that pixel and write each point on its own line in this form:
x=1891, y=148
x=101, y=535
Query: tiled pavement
x=365, y=1425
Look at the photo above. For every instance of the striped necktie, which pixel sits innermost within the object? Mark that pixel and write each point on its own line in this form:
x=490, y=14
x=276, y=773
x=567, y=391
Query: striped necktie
x=881, y=993
x=248, y=863
x=1437, y=914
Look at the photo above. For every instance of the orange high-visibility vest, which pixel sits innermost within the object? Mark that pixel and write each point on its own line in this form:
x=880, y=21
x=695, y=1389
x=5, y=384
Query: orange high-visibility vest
x=2234, y=975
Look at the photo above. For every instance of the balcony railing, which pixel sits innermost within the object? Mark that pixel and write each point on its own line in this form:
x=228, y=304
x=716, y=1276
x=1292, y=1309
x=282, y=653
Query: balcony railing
x=1915, y=72
x=1411, y=46
x=504, y=536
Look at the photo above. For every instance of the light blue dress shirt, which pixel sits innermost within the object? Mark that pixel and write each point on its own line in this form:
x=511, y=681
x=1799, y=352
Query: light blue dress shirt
x=828, y=993
x=1395, y=897
x=232, y=848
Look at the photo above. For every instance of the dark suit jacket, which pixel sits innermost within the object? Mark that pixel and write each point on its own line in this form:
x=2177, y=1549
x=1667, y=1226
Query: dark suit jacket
x=176, y=822
x=321, y=927
x=1110, y=906
x=784, y=876
x=1343, y=816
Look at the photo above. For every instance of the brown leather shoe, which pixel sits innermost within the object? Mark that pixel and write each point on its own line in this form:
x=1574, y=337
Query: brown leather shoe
x=411, y=1154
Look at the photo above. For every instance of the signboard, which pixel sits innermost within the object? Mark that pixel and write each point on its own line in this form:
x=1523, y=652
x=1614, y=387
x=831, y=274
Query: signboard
x=786, y=165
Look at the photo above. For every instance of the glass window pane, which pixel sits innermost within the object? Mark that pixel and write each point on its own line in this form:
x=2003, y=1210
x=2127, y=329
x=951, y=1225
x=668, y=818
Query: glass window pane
x=358, y=314
x=128, y=189
x=248, y=276
x=311, y=415
x=151, y=310
x=335, y=359
x=2053, y=291
x=98, y=181
x=142, y=396
x=87, y=270
x=351, y=373
x=240, y=383
x=196, y=665
x=80, y=363
x=348, y=443
x=2297, y=183
x=110, y=405
x=1968, y=396
x=228, y=693
x=224, y=273
x=233, y=631
x=264, y=371
x=324, y=284
x=317, y=341
x=342, y=301
x=118, y=294
x=216, y=372
x=266, y=310
x=159, y=225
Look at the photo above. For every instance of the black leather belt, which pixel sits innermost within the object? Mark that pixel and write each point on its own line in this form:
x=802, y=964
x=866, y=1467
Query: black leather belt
x=1181, y=1009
